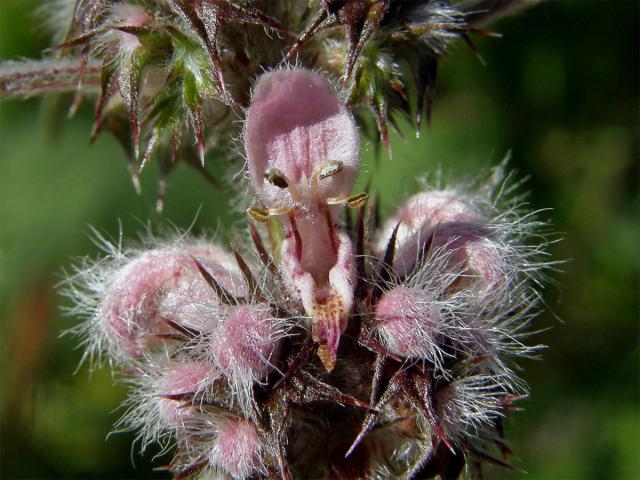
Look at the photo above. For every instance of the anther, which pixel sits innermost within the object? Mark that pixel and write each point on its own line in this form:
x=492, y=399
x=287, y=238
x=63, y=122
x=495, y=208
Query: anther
x=258, y=214
x=262, y=214
x=352, y=201
x=357, y=200
x=329, y=168
x=276, y=177
x=326, y=169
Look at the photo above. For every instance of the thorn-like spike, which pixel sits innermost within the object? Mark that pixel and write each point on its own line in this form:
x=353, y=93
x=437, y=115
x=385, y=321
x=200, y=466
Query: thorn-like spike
x=301, y=358
x=386, y=269
x=262, y=252
x=296, y=235
x=133, y=173
x=82, y=71
x=372, y=416
x=129, y=85
x=252, y=285
x=222, y=293
x=152, y=144
x=359, y=252
x=319, y=390
x=186, y=331
x=361, y=20
x=425, y=81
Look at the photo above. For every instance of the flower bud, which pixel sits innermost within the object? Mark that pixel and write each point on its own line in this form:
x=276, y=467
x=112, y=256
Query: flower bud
x=181, y=379
x=470, y=405
x=245, y=342
x=410, y=323
x=236, y=449
x=477, y=257
x=127, y=15
x=157, y=286
x=416, y=217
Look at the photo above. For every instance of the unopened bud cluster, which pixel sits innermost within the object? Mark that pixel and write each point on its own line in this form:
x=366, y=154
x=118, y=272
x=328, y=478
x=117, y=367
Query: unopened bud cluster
x=322, y=348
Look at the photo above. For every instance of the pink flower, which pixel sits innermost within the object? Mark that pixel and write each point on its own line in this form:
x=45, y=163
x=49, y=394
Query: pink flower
x=302, y=149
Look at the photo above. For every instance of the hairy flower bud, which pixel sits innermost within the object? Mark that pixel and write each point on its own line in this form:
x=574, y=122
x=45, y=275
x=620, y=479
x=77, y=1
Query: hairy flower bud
x=410, y=323
x=179, y=381
x=473, y=253
x=236, y=449
x=416, y=219
x=157, y=286
x=245, y=341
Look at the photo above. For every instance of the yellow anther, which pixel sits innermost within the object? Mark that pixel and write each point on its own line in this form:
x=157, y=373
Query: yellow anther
x=258, y=214
x=357, y=200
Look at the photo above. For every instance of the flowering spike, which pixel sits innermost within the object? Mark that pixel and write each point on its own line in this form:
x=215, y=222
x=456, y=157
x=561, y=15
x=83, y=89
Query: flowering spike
x=243, y=364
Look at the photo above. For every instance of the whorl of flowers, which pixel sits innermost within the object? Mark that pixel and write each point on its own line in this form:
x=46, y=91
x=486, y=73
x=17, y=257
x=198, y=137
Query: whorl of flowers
x=320, y=348
x=170, y=77
x=323, y=345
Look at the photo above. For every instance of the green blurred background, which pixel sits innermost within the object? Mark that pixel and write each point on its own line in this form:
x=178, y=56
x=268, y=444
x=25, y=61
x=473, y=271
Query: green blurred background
x=560, y=89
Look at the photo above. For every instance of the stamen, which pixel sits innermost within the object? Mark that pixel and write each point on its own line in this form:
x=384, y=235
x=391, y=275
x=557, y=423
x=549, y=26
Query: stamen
x=339, y=200
x=276, y=177
x=357, y=200
x=329, y=168
x=352, y=201
x=258, y=214
x=262, y=214
x=326, y=169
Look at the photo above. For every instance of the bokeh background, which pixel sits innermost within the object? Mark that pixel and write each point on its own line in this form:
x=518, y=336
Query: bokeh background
x=560, y=90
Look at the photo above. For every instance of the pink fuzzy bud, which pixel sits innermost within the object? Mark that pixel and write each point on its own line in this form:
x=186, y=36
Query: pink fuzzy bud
x=236, y=449
x=298, y=130
x=157, y=286
x=245, y=342
x=479, y=259
x=409, y=323
x=417, y=216
x=181, y=379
